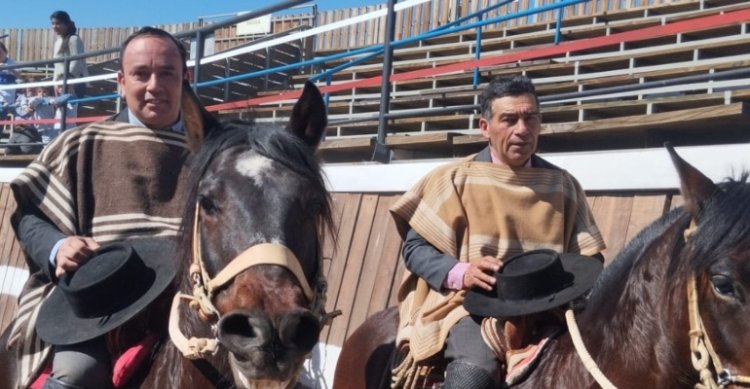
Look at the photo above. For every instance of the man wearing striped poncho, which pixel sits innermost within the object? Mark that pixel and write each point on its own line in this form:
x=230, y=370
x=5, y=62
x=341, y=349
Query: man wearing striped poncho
x=117, y=179
x=461, y=220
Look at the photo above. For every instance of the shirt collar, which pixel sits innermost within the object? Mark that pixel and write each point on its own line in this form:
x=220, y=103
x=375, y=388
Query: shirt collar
x=178, y=126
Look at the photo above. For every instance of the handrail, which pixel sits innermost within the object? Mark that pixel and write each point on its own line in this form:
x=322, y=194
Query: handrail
x=629, y=37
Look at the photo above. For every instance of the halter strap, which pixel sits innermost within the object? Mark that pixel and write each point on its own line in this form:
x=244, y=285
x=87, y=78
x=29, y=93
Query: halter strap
x=261, y=254
x=204, y=288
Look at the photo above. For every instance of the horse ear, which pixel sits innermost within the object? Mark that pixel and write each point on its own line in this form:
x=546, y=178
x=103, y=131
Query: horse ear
x=309, y=118
x=198, y=121
x=696, y=188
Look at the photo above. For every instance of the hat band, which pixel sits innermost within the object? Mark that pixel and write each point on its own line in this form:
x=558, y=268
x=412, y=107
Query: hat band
x=547, y=280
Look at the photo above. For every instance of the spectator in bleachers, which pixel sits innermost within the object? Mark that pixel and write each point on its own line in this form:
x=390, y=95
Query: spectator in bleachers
x=22, y=101
x=36, y=104
x=67, y=44
x=7, y=77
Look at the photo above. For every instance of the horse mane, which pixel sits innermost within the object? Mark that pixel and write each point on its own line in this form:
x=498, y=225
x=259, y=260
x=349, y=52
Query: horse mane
x=273, y=142
x=618, y=271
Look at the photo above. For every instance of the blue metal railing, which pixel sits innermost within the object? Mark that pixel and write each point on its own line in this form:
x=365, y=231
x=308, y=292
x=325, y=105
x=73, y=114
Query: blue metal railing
x=367, y=53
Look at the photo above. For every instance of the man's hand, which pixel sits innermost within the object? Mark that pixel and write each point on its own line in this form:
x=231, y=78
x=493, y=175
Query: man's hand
x=480, y=274
x=74, y=252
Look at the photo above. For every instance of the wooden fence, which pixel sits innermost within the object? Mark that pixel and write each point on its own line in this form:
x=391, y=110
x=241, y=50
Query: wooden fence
x=34, y=44
x=364, y=269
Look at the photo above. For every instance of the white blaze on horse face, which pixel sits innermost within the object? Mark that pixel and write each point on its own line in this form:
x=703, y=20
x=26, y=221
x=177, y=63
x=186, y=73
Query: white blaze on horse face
x=255, y=166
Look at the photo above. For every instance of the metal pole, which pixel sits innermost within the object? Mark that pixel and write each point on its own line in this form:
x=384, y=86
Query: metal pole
x=198, y=56
x=477, y=51
x=381, y=152
x=64, y=114
x=558, y=25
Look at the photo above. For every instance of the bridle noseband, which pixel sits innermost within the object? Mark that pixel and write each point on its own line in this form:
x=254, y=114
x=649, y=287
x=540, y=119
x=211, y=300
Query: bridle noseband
x=205, y=287
x=701, y=350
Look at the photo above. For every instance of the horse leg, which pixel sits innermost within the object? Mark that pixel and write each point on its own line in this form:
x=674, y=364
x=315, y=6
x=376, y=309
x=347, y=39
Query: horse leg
x=366, y=358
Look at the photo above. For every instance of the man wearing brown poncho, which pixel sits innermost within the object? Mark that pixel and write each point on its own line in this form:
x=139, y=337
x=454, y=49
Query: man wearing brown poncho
x=117, y=179
x=462, y=219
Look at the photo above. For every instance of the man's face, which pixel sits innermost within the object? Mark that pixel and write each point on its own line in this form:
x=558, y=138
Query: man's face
x=151, y=81
x=513, y=129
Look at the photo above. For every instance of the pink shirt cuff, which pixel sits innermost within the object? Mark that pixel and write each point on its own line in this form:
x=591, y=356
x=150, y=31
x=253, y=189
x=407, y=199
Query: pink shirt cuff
x=455, y=279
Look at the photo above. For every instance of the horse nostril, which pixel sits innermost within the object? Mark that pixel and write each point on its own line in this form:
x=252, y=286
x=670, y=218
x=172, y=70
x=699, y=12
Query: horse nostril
x=240, y=330
x=299, y=329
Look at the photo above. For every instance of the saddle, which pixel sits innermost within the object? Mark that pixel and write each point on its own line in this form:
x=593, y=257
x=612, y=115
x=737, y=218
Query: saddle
x=518, y=344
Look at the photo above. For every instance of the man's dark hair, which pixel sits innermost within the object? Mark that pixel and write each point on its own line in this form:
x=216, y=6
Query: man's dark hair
x=159, y=33
x=502, y=86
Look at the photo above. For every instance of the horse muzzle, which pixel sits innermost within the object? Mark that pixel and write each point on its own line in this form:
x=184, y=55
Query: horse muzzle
x=262, y=350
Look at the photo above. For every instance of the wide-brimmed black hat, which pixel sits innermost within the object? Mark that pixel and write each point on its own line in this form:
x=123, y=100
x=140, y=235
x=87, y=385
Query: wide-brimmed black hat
x=534, y=281
x=119, y=281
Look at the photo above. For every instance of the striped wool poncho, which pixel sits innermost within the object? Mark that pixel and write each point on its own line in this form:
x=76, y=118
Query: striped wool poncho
x=108, y=180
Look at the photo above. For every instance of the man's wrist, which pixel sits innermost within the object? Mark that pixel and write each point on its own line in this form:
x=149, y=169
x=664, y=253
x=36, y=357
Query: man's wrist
x=53, y=252
x=455, y=278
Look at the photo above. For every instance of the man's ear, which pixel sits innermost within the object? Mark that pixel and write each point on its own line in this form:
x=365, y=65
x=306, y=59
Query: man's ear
x=484, y=127
x=121, y=83
x=198, y=121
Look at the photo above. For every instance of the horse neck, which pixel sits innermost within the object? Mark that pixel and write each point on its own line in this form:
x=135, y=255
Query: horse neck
x=638, y=321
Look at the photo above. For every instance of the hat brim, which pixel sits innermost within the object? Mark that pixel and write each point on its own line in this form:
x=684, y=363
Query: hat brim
x=58, y=325
x=585, y=270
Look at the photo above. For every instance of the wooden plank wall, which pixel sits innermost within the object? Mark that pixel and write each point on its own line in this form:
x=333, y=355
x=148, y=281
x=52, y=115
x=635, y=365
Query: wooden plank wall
x=365, y=270
x=433, y=14
x=34, y=44
x=363, y=266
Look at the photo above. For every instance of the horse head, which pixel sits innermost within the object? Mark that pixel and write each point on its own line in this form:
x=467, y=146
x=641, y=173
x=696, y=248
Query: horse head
x=257, y=211
x=717, y=247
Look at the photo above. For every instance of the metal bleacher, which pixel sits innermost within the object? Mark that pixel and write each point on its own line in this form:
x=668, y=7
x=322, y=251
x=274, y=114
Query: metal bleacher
x=623, y=90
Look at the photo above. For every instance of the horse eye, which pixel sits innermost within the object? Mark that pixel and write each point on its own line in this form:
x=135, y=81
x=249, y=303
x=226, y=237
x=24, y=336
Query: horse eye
x=208, y=205
x=724, y=286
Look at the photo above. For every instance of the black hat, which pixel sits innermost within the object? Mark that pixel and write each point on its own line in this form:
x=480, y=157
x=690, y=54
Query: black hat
x=119, y=281
x=534, y=281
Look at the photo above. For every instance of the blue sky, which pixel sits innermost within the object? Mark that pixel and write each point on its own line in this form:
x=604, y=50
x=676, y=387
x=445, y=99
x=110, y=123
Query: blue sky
x=109, y=13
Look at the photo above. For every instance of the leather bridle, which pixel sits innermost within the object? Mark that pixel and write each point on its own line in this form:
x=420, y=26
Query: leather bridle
x=205, y=288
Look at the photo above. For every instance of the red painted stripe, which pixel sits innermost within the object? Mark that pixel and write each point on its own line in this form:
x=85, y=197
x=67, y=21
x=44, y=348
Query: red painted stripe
x=724, y=19
x=565, y=47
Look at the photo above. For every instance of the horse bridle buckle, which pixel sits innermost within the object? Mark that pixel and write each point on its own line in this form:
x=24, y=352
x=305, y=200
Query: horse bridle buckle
x=724, y=378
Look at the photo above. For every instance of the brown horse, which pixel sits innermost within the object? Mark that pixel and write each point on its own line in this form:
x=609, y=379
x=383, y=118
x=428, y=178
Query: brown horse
x=638, y=324
x=257, y=214
x=250, y=300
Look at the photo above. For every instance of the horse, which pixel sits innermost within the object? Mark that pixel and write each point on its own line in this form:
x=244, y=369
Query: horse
x=250, y=297
x=254, y=223
x=672, y=310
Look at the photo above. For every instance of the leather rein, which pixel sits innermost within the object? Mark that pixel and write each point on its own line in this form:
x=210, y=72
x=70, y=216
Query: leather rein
x=205, y=288
x=701, y=350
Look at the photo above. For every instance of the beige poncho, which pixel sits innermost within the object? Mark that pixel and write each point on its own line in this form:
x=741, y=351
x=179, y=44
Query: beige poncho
x=470, y=209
